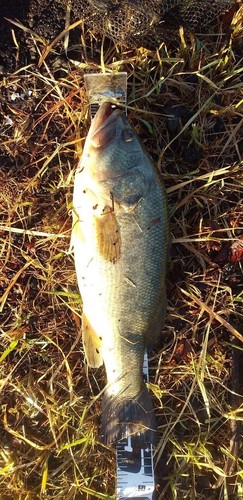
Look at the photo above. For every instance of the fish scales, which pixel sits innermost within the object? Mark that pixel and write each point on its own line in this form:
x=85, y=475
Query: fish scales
x=120, y=239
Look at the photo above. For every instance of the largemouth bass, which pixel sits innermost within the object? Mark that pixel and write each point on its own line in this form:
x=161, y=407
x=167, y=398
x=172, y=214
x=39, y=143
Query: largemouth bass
x=120, y=238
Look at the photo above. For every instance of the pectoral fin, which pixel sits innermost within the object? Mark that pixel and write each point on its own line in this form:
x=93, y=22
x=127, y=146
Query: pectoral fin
x=92, y=344
x=108, y=235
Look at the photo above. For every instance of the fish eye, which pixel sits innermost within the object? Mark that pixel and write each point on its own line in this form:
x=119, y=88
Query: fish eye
x=127, y=135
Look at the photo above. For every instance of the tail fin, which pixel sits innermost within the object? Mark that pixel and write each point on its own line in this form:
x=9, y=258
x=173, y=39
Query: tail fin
x=123, y=417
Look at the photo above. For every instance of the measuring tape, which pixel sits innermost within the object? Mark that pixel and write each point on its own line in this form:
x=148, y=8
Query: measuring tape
x=135, y=472
x=105, y=86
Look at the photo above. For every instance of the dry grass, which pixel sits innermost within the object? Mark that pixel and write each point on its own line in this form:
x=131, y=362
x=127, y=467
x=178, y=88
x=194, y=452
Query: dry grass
x=186, y=105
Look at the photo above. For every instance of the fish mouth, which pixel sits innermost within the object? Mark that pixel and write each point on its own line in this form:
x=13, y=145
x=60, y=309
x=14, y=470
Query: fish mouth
x=104, y=125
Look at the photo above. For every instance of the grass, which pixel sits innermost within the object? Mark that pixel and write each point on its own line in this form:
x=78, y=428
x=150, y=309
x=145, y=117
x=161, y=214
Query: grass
x=185, y=102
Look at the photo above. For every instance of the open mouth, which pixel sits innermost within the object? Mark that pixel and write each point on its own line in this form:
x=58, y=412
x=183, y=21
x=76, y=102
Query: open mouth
x=103, y=127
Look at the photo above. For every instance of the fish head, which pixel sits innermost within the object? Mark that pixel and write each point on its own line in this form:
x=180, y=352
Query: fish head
x=114, y=159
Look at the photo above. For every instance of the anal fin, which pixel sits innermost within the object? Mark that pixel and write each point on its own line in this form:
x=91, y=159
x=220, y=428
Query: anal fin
x=92, y=344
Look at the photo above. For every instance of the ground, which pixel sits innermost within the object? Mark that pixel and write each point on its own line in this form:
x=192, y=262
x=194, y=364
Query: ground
x=186, y=105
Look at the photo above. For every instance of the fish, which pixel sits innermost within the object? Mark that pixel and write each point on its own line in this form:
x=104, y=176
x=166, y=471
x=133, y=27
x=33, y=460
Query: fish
x=120, y=240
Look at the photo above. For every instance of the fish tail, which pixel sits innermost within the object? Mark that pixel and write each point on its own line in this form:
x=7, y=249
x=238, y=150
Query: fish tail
x=123, y=417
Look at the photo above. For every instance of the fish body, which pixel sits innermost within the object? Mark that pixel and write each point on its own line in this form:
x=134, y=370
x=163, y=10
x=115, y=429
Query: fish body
x=120, y=239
